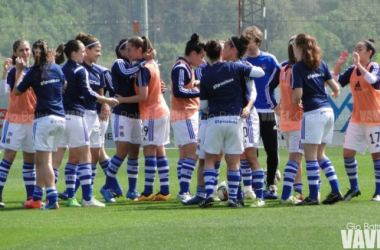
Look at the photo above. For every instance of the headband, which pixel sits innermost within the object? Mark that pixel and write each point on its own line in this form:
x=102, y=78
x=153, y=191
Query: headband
x=124, y=43
x=89, y=45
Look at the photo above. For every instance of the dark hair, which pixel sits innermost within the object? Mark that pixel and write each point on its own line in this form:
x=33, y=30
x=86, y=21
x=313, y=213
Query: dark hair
x=88, y=40
x=15, y=47
x=370, y=45
x=311, y=53
x=240, y=43
x=141, y=42
x=291, y=57
x=194, y=45
x=213, y=49
x=41, y=61
x=121, y=46
x=67, y=48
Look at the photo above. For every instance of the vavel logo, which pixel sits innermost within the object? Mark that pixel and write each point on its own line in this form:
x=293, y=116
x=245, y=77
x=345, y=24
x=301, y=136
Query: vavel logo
x=361, y=237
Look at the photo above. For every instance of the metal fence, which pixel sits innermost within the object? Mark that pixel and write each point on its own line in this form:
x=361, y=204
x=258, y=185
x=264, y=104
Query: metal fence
x=164, y=29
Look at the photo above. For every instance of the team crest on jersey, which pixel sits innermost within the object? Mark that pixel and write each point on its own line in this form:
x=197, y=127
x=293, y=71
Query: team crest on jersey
x=358, y=87
x=263, y=66
x=8, y=141
x=10, y=133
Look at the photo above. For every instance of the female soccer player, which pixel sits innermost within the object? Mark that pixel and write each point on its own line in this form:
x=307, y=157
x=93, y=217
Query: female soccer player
x=234, y=49
x=126, y=125
x=363, y=129
x=154, y=114
x=47, y=80
x=104, y=118
x=78, y=89
x=184, y=111
x=97, y=79
x=309, y=76
x=97, y=84
x=18, y=125
x=200, y=189
x=222, y=98
x=290, y=125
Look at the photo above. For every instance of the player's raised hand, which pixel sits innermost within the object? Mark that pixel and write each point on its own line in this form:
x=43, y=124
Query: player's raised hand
x=7, y=64
x=355, y=58
x=342, y=59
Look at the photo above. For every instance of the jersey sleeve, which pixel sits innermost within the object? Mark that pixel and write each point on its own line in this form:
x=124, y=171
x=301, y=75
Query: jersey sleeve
x=375, y=70
x=181, y=77
x=274, y=81
x=11, y=77
x=327, y=72
x=84, y=85
x=107, y=81
x=125, y=69
x=26, y=82
x=143, y=78
x=198, y=73
x=203, y=90
x=344, y=78
x=245, y=69
x=296, y=77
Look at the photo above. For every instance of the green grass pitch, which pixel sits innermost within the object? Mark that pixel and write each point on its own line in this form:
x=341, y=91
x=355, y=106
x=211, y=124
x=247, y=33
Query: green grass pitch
x=170, y=225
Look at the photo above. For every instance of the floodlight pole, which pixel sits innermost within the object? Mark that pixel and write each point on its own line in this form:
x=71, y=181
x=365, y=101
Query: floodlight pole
x=252, y=12
x=144, y=18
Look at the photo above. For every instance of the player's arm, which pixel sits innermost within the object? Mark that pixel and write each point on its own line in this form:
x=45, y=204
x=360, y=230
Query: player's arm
x=181, y=77
x=371, y=77
x=140, y=97
x=274, y=81
x=87, y=92
x=143, y=80
x=297, y=85
x=297, y=95
x=342, y=59
x=104, y=108
x=4, y=87
x=329, y=79
x=203, y=97
x=335, y=87
x=20, y=65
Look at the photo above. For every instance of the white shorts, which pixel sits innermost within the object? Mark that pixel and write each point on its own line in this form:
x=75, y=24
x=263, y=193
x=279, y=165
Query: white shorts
x=224, y=132
x=93, y=127
x=76, y=134
x=103, y=130
x=156, y=131
x=186, y=131
x=317, y=126
x=360, y=136
x=48, y=131
x=18, y=136
x=251, y=130
x=201, y=137
x=64, y=143
x=293, y=141
x=126, y=129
